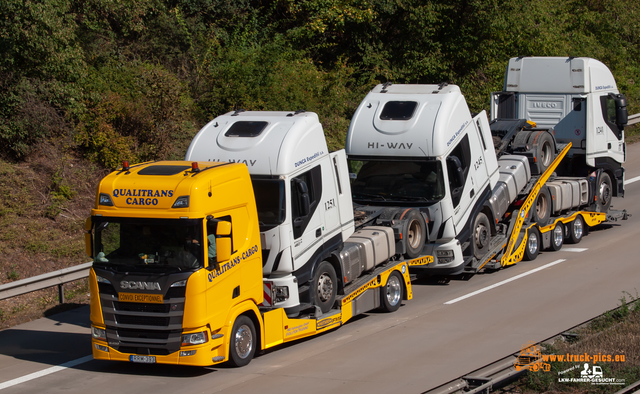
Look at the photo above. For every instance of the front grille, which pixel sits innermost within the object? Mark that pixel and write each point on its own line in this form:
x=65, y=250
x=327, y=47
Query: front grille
x=138, y=307
x=143, y=328
x=142, y=320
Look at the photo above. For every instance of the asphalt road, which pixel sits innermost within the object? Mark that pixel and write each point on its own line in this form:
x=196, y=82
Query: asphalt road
x=434, y=338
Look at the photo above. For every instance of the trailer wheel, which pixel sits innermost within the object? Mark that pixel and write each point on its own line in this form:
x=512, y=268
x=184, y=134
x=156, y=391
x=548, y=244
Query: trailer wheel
x=532, y=246
x=541, y=211
x=557, y=237
x=392, y=293
x=325, y=286
x=546, y=151
x=416, y=234
x=576, y=230
x=243, y=342
x=481, y=236
x=604, y=192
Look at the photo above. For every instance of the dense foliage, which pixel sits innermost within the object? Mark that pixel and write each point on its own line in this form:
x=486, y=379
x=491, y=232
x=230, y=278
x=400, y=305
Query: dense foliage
x=135, y=80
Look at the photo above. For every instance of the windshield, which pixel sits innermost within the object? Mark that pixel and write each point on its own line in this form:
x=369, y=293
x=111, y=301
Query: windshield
x=396, y=180
x=269, y=201
x=149, y=244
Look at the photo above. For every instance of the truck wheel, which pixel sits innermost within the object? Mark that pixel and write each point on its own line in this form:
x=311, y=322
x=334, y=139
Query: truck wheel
x=604, y=192
x=532, y=247
x=576, y=230
x=557, y=237
x=541, y=210
x=416, y=234
x=481, y=235
x=546, y=151
x=325, y=286
x=243, y=342
x=391, y=294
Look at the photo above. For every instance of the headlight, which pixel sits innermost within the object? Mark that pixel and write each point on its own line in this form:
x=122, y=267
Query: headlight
x=100, y=279
x=98, y=333
x=197, y=338
x=444, y=256
x=281, y=293
x=181, y=283
x=105, y=199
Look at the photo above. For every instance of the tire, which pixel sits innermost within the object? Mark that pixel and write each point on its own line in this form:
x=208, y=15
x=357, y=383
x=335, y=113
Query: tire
x=541, y=209
x=605, y=192
x=546, y=152
x=532, y=248
x=480, y=236
x=416, y=234
x=243, y=343
x=324, y=286
x=557, y=237
x=392, y=293
x=576, y=230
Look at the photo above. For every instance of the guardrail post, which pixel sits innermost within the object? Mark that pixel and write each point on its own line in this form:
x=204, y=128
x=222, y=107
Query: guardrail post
x=61, y=293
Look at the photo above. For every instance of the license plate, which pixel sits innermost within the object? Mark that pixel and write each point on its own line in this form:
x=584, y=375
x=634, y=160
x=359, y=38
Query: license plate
x=146, y=298
x=143, y=359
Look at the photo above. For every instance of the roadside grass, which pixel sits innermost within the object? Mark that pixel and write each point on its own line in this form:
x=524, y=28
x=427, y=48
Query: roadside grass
x=44, y=202
x=617, y=332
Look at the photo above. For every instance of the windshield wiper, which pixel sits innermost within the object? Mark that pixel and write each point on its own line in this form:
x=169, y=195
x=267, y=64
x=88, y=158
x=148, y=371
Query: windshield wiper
x=410, y=198
x=365, y=195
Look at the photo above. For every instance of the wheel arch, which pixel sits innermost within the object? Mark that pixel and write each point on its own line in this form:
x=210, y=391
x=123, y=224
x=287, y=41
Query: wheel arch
x=249, y=309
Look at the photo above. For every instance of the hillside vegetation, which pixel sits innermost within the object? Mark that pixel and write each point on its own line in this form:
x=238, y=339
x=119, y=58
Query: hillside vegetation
x=87, y=84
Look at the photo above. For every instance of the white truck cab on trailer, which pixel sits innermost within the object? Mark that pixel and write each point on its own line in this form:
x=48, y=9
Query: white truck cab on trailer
x=312, y=254
x=578, y=99
x=417, y=146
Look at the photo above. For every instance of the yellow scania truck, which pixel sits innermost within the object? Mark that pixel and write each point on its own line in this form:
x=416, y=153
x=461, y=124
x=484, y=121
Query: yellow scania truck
x=178, y=264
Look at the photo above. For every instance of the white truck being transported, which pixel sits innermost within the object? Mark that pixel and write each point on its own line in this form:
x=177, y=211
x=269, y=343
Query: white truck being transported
x=577, y=100
x=417, y=148
x=312, y=253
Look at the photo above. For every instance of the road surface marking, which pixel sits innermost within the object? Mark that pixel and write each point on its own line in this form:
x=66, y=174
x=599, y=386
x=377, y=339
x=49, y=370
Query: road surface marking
x=628, y=181
x=574, y=249
x=504, y=282
x=44, y=372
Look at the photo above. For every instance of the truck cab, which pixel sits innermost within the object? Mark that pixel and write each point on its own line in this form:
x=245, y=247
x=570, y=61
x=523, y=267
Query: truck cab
x=176, y=258
x=302, y=193
x=418, y=147
x=578, y=100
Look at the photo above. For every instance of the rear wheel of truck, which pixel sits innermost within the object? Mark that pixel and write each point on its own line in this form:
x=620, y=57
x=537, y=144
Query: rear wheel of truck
x=481, y=235
x=546, y=151
x=557, y=237
x=576, y=230
x=416, y=233
x=392, y=293
x=532, y=246
x=243, y=342
x=541, y=210
x=605, y=192
x=325, y=286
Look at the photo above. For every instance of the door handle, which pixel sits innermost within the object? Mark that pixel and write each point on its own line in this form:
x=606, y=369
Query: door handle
x=318, y=232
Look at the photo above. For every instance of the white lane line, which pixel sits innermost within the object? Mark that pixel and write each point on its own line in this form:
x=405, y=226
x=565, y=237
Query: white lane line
x=574, y=249
x=628, y=181
x=504, y=282
x=44, y=372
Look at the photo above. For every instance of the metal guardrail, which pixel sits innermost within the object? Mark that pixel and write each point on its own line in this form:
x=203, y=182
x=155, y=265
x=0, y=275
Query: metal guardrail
x=50, y=279
x=633, y=119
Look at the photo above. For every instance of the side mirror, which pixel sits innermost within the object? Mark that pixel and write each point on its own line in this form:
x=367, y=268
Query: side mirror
x=223, y=241
x=457, y=166
x=305, y=201
x=88, y=237
x=622, y=115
